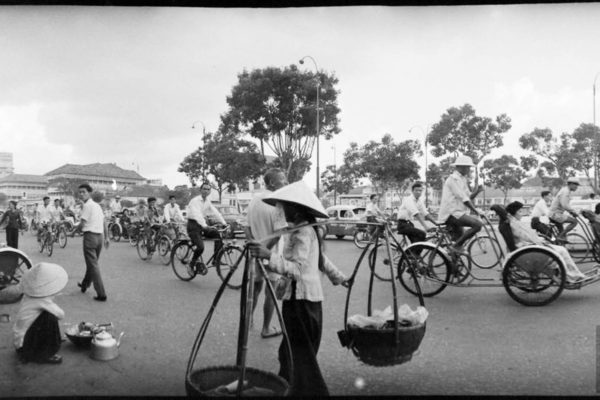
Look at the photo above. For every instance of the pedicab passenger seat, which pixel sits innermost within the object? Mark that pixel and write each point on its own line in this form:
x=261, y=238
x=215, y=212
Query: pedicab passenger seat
x=13, y=263
x=591, y=217
x=504, y=226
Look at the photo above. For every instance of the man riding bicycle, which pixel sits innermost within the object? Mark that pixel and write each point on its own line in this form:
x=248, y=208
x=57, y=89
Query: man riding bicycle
x=372, y=212
x=45, y=216
x=413, y=208
x=456, y=202
x=200, y=214
x=152, y=217
x=561, y=205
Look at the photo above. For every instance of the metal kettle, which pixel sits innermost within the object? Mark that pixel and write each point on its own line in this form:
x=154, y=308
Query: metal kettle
x=104, y=346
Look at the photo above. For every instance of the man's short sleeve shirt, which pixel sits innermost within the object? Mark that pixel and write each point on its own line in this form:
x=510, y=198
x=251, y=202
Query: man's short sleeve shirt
x=454, y=194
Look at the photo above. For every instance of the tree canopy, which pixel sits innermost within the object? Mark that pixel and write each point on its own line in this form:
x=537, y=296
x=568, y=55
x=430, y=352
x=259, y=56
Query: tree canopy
x=278, y=107
x=503, y=173
x=387, y=164
x=341, y=179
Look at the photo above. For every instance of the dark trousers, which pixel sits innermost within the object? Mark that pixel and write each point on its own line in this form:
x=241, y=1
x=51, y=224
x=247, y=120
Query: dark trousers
x=42, y=339
x=408, y=229
x=92, y=246
x=12, y=237
x=540, y=226
x=456, y=225
x=303, y=323
x=197, y=233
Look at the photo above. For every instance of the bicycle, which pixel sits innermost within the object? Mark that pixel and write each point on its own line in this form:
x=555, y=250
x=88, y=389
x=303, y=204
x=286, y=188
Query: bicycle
x=60, y=234
x=226, y=260
x=46, y=239
x=150, y=240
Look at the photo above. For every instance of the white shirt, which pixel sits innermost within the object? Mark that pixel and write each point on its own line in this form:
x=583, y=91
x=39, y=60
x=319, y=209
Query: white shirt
x=31, y=308
x=172, y=212
x=56, y=212
x=454, y=194
x=264, y=219
x=92, y=217
x=116, y=207
x=199, y=209
x=411, y=207
x=540, y=209
x=371, y=210
x=561, y=202
x=45, y=213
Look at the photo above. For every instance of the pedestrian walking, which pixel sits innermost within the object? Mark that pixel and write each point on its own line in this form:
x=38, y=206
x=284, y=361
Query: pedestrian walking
x=264, y=220
x=36, y=331
x=15, y=221
x=95, y=231
x=301, y=262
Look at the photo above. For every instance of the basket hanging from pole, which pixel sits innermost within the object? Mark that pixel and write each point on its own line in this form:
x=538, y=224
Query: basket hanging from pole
x=393, y=344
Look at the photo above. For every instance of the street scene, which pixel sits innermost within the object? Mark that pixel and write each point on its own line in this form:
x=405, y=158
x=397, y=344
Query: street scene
x=308, y=201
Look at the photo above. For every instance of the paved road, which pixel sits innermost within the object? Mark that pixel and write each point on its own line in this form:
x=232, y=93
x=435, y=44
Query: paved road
x=478, y=340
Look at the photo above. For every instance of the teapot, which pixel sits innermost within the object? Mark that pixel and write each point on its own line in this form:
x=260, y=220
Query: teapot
x=104, y=346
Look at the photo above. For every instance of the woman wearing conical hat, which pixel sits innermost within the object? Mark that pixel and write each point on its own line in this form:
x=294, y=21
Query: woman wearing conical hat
x=36, y=330
x=302, y=261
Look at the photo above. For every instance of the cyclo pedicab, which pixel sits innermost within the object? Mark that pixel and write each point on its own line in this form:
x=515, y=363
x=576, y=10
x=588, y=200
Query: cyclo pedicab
x=532, y=275
x=393, y=344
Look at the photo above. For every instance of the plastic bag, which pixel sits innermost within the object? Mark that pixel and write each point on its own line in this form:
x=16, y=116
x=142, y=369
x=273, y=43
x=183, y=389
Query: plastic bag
x=406, y=316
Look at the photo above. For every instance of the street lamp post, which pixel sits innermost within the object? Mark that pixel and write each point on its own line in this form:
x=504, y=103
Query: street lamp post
x=203, y=147
x=318, y=120
x=426, y=133
x=595, y=136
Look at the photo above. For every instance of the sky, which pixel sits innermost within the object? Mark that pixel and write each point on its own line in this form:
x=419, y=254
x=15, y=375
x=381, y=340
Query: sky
x=124, y=85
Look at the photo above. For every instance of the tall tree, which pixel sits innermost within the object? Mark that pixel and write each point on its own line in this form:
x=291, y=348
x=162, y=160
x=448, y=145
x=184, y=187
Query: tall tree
x=387, y=164
x=437, y=173
x=585, y=147
x=460, y=130
x=503, y=173
x=340, y=180
x=227, y=158
x=278, y=107
x=558, y=155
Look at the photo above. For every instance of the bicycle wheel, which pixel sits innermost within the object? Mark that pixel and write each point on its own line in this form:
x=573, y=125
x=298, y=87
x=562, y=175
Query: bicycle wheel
x=181, y=255
x=42, y=241
x=62, y=238
x=163, y=247
x=534, y=276
x=49, y=245
x=361, y=239
x=577, y=246
x=431, y=268
x=142, y=248
x=133, y=236
x=115, y=232
x=226, y=260
x=484, y=252
x=380, y=262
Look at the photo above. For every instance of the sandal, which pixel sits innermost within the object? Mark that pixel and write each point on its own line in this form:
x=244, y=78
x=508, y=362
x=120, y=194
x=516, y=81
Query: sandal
x=55, y=359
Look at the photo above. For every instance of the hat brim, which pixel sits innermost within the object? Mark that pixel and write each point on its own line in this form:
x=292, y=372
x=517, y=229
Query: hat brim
x=312, y=211
x=51, y=286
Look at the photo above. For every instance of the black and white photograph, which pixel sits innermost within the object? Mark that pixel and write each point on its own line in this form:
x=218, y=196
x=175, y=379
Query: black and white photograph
x=299, y=200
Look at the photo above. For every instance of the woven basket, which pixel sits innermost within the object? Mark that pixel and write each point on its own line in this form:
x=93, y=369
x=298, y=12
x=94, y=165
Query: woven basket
x=206, y=382
x=378, y=347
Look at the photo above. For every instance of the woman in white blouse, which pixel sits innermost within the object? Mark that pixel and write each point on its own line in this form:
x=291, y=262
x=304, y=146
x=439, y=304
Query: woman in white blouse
x=303, y=262
x=524, y=236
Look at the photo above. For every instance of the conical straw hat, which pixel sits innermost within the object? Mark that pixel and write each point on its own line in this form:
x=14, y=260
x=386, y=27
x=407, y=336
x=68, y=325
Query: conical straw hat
x=44, y=279
x=298, y=193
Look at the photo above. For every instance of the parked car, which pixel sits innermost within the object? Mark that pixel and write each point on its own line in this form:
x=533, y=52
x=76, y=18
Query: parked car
x=232, y=217
x=342, y=220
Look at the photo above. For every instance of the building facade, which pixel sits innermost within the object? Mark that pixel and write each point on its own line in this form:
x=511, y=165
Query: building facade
x=105, y=178
x=20, y=187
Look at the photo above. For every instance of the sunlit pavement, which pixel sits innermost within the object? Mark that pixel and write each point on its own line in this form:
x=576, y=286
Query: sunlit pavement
x=478, y=340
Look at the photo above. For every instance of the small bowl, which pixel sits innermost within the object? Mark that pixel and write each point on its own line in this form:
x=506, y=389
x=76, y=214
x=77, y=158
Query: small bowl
x=77, y=338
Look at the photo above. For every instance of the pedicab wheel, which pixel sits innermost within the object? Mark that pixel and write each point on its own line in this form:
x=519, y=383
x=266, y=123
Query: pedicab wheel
x=577, y=246
x=596, y=251
x=164, y=249
x=142, y=249
x=115, y=232
x=228, y=260
x=13, y=264
x=361, y=238
x=379, y=348
x=210, y=381
x=48, y=245
x=484, y=251
x=534, y=276
x=380, y=262
x=181, y=255
x=432, y=269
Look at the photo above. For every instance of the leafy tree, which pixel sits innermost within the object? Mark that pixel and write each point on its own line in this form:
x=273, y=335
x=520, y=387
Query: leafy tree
x=341, y=179
x=229, y=159
x=558, y=154
x=278, y=107
x=460, y=130
x=437, y=174
x=585, y=147
x=388, y=165
x=503, y=173
x=69, y=186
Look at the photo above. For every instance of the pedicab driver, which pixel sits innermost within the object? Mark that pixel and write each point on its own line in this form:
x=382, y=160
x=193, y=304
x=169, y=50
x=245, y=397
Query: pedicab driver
x=199, y=210
x=456, y=203
x=562, y=205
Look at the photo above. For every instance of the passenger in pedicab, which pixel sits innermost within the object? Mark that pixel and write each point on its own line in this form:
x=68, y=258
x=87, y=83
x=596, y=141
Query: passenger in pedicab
x=525, y=236
x=594, y=220
x=540, y=214
x=302, y=262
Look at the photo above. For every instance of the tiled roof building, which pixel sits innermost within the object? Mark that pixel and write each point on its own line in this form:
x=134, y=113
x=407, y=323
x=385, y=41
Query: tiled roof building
x=21, y=186
x=99, y=176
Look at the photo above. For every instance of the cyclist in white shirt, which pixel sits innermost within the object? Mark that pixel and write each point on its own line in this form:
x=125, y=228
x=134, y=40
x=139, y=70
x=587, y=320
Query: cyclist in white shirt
x=45, y=211
x=116, y=206
x=200, y=210
x=372, y=212
x=541, y=211
x=172, y=212
x=413, y=208
x=561, y=205
x=56, y=211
